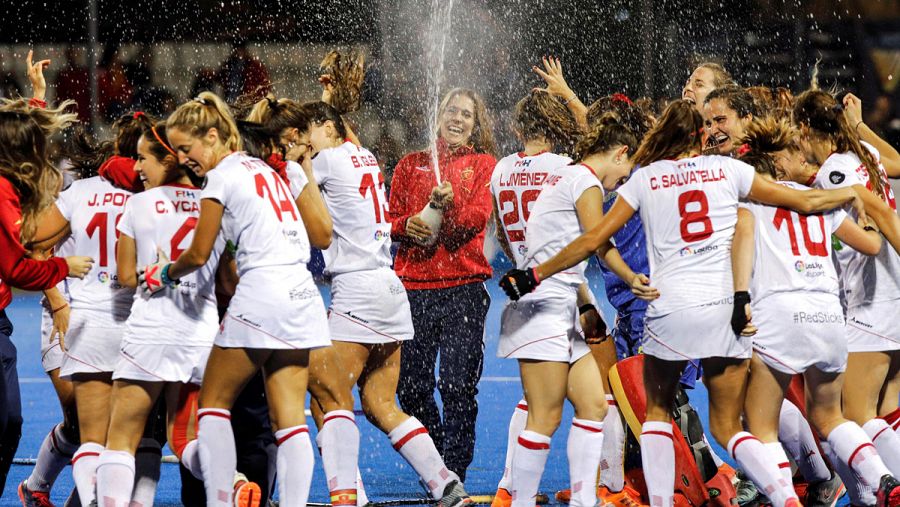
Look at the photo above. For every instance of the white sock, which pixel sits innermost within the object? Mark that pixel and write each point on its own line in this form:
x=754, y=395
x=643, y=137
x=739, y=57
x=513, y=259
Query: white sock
x=776, y=451
x=612, y=470
x=55, y=453
x=516, y=426
x=295, y=465
x=852, y=446
x=797, y=437
x=755, y=460
x=886, y=441
x=190, y=458
x=146, y=466
x=658, y=460
x=583, y=449
x=413, y=442
x=115, y=479
x=859, y=492
x=528, y=463
x=339, y=443
x=84, y=471
x=218, y=457
x=361, y=497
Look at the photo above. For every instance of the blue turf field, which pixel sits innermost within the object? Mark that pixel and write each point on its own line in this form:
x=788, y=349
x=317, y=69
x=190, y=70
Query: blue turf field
x=385, y=474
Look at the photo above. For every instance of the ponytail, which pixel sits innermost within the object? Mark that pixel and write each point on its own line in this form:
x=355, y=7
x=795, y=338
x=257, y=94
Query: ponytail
x=207, y=111
x=824, y=116
x=678, y=131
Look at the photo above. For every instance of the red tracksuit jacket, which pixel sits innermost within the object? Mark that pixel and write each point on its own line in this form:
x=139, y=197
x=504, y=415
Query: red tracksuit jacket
x=15, y=269
x=457, y=257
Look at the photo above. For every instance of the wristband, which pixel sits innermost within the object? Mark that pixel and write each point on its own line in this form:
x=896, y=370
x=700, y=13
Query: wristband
x=537, y=279
x=164, y=276
x=574, y=97
x=856, y=128
x=586, y=308
x=54, y=310
x=37, y=103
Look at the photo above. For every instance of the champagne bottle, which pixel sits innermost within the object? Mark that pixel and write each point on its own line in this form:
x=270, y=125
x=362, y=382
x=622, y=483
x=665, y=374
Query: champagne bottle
x=432, y=216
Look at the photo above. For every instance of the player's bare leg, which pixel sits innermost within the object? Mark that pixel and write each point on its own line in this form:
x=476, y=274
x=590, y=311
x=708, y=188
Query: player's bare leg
x=286, y=374
x=338, y=437
x=227, y=372
x=92, y=392
x=726, y=380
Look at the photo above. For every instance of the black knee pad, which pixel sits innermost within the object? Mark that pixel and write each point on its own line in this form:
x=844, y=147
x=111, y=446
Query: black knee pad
x=688, y=422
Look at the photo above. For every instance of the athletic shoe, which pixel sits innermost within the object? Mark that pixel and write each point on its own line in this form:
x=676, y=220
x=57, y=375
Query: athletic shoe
x=33, y=498
x=628, y=497
x=454, y=496
x=825, y=493
x=246, y=493
x=888, y=492
x=745, y=491
x=502, y=498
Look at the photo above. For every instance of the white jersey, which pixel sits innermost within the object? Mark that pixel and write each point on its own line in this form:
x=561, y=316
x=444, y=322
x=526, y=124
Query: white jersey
x=261, y=219
x=164, y=218
x=93, y=207
x=515, y=184
x=689, y=210
x=553, y=222
x=353, y=188
x=793, y=251
x=864, y=279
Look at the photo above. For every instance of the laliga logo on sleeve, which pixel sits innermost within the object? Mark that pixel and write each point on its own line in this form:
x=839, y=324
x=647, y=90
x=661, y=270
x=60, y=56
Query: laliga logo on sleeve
x=685, y=251
x=836, y=177
x=103, y=276
x=800, y=266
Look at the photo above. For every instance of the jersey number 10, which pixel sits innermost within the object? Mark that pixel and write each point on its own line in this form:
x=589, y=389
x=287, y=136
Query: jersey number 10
x=815, y=248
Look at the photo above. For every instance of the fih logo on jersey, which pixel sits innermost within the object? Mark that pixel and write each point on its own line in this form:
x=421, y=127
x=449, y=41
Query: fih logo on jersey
x=700, y=251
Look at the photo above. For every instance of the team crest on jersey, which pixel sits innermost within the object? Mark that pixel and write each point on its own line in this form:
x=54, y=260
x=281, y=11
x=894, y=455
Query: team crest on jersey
x=467, y=173
x=836, y=177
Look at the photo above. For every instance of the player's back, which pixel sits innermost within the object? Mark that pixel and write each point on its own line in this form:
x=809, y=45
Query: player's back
x=689, y=210
x=93, y=207
x=793, y=251
x=353, y=189
x=163, y=219
x=260, y=218
x=515, y=185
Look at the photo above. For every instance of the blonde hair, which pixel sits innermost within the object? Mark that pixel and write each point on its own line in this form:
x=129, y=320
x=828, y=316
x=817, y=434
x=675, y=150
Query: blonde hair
x=206, y=111
x=24, y=134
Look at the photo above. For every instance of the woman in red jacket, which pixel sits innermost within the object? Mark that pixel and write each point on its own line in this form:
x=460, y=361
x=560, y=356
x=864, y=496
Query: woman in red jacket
x=438, y=218
x=28, y=184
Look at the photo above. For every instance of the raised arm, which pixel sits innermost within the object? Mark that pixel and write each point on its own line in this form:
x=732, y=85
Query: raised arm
x=552, y=74
x=313, y=211
x=802, y=201
x=865, y=241
x=890, y=158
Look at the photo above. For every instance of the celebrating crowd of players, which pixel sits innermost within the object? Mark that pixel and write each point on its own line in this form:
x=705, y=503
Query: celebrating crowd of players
x=742, y=230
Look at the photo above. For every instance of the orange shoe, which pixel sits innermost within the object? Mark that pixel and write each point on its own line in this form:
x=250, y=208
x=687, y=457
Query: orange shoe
x=246, y=493
x=628, y=497
x=502, y=498
x=564, y=496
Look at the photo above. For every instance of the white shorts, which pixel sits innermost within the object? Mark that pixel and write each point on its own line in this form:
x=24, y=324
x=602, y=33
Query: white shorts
x=161, y=363
x=51, y=354
x=800, y=330
x=91, y=348
x=873, y=327
x=275, y=308
x=695, y=333
x=543, y=325
x=369, y=307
